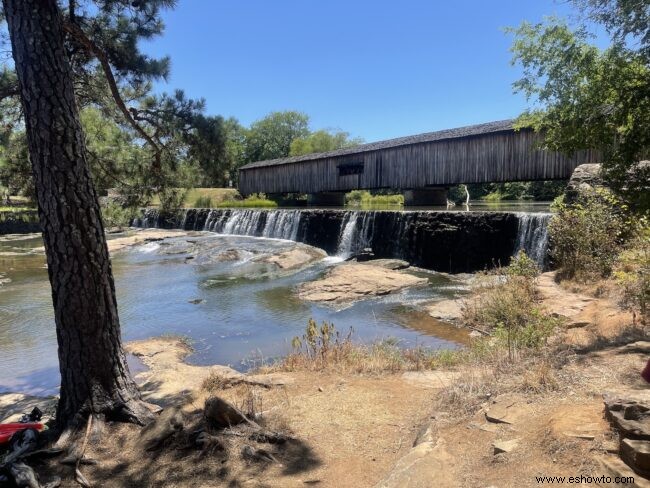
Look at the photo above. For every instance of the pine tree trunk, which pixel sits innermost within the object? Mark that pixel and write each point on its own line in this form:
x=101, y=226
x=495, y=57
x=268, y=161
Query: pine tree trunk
x=94, y=376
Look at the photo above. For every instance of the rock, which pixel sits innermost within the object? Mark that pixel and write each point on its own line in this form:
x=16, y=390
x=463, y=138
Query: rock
x=430, y=379
x=295, y=258
x=636, y=454
x=629, y=417
x=585, y=178
x=485, y=427
x=504, y=409
x=613, y=466
x=427, y=464
x=449, y=310
x=427, y=433
x=394, y=264
x=349, y=282
x=165, y=426
x=363, y=255
x=221, y=414
x=505, y=446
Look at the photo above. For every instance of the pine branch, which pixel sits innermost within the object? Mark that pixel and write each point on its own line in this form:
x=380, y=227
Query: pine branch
x=77, y=33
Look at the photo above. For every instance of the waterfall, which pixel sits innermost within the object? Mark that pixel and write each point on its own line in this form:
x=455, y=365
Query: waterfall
x=347, y=235
x=277, y=224
x=532, y=236
x=441, y=240
x=357, y=230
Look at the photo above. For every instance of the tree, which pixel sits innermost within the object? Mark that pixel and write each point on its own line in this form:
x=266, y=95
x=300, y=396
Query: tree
x=271, y=137
x=322, y=141
x=94, y=375
x=586, y=98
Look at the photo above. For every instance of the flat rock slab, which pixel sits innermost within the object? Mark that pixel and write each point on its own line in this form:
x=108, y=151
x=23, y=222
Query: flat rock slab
x=431, y=379
x=169, y=379
x=350, y=282
x=297, y=258
x=446, y=310
x=394, y=264
x=583, y=422
x=505, y=409
x=613, y=466
x=505, y=446
x=426, y=465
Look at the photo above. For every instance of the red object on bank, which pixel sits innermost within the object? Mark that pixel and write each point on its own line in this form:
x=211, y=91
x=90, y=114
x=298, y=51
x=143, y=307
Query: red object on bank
x=645, y=374
x=8, y=430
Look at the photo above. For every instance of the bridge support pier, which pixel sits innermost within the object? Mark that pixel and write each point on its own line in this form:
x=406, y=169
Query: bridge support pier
x=327, y=199
x=425, y=197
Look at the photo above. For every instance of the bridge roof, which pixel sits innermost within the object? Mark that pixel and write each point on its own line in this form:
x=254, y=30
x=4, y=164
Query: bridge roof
x=460, y=132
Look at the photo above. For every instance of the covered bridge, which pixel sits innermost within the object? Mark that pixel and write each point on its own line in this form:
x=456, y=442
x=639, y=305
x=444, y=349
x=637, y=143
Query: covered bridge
x=423, y=166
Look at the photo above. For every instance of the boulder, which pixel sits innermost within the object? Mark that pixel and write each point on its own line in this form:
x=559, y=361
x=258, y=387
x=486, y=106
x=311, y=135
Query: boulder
x=585, y=178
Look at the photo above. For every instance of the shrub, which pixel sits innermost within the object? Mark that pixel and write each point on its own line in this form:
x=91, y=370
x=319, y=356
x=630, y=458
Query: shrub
x=633, y=272
x=204, y=201
x=323, y=348
x=585, y=237
x=256, y=200
x=116, y=215
x=171, y=200
x=505, y=303
x=359, y=198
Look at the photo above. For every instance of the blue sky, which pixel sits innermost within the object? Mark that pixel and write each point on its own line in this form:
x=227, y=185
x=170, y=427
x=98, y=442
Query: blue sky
x=377, y=69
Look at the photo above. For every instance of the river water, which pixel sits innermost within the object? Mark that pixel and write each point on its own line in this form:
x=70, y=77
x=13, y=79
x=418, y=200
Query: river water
x=247, y=311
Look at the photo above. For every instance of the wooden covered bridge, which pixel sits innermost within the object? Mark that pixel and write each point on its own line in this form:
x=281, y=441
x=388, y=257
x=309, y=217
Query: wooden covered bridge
x=423, y=166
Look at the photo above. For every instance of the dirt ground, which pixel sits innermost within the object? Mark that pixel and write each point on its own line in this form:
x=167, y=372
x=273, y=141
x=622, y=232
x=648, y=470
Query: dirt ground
x=348, y=431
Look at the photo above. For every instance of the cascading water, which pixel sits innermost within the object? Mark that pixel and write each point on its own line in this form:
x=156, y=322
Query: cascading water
x=441, y=240
x=532, y=236
x=348, y=234
x=277, y=224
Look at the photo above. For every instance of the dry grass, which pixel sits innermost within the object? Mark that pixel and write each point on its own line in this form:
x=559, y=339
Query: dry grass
x=325, y=349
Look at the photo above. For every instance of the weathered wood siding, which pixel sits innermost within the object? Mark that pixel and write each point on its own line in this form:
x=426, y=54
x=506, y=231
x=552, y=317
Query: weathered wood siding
x=495, y=157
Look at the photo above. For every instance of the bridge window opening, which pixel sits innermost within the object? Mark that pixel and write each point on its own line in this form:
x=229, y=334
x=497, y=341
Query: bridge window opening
x=350, y=168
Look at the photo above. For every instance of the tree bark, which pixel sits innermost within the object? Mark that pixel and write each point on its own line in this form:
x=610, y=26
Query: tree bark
x=94, y=376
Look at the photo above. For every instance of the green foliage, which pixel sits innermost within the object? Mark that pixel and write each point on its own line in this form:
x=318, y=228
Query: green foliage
x=204, y=201
x=171, y=200
x=585, y=237
x=363, y=198
x=15, y=168
x=271, y=137
x=522, y=266
x=505, y=303
x=322, y=141
x=115, y=215
x=256, y=200
x=633, y=272
x=586, y=98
